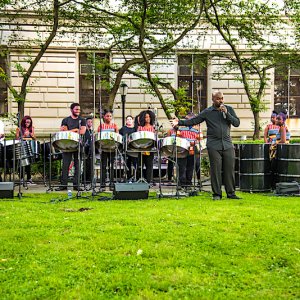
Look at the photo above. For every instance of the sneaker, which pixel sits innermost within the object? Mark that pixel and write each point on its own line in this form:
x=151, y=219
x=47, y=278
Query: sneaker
x=30, y=182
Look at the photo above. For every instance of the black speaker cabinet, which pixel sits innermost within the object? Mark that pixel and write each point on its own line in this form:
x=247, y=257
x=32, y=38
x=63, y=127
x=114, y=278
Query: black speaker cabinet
x=6, y=190
x=131, y=191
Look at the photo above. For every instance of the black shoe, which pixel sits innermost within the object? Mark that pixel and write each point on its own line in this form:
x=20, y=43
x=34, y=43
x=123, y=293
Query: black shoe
x=234, y=197
x=217, y=197
x=61, y=188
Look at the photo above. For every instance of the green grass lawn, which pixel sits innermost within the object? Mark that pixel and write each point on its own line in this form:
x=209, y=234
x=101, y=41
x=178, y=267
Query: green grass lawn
x=191, y=248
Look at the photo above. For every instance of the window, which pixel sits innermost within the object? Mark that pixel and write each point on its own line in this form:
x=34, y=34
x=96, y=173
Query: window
x=3, y=88
x=93, y=80
x=287, y=91
x=192, y=76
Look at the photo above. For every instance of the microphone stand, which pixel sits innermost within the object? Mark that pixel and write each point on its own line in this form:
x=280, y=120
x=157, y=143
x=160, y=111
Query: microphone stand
x=78, y=160
x=100, y=126
x=176, y=162
x=93, y=178
x=194, y=192
x=200, y=158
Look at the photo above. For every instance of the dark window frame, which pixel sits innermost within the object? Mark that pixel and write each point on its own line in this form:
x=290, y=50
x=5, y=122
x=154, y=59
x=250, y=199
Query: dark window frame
x=192, y=74
x=287, y=91
x=92, y=83
x=3, y=86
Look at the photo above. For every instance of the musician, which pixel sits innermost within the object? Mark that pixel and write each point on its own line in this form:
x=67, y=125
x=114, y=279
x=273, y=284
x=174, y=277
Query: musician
x=146, y=123
x=88, y=149
x=218, y=118
x=283, y=136
x=125, y=131
x=77, y=124
x=186, y=164
x=271, y=130
x=26, y=132
x=107, y=158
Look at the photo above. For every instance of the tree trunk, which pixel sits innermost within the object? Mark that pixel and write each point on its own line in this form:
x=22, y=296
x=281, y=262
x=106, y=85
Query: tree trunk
x=256, y=134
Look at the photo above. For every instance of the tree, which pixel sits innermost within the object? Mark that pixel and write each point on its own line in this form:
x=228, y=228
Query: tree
x=261, y=26
x=48, y=16
x=144, y=29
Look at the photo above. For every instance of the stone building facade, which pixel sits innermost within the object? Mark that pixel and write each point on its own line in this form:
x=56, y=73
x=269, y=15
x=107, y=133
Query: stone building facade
x=59, y=79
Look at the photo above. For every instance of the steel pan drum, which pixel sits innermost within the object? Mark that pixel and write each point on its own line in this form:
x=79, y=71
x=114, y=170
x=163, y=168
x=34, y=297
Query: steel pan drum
x=65, y=141
x=35, y=148
x=108, y=141
x=288, y=162
x=15, y=150
x=47, y=149
x=11, y=148
x=255, y=168
x=141, y=140
x=167, y=146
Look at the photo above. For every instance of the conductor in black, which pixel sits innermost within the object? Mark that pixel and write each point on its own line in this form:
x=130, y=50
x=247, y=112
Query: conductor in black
x=218, y=118
x=77, y=124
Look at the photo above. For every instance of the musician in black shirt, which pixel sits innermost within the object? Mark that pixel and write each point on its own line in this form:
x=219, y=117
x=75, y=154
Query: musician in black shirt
x=218, y=118
x=77, y=124
x=88, y=150
x=131, y=157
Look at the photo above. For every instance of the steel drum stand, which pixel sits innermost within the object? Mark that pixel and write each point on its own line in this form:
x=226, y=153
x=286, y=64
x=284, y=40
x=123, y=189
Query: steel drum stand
x=135, y=167
x=142, y=178
x=176, y=164
x=123, y=163
x=200, y=158
x=194, y=192
x=175, y=155
x=93, y=178
x=50, y=188
x=141, y=154
x=44, y=162
x=78, y=194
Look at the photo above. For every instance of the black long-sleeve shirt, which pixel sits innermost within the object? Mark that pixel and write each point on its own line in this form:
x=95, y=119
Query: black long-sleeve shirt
x=218, y=127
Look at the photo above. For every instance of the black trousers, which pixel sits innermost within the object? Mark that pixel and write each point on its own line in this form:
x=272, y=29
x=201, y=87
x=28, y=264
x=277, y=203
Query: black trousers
x=88, y=169
x=198, y=167
x=131, y=162
x=222, y=160
x=186, y=170
x=170, y=168
x=27, y=171
x=67, y=158
x=147, y=161
x=107, y=159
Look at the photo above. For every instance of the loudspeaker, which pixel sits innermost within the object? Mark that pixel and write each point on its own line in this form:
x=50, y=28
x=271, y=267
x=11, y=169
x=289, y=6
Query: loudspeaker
x=131, y=191
x=6, y=190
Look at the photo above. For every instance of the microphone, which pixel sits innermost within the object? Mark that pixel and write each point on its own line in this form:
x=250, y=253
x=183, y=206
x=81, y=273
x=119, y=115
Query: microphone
x=223, y=112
